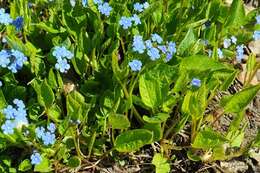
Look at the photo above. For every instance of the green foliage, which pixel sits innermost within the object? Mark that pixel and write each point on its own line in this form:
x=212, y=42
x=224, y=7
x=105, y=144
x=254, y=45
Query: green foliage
x=101, y=103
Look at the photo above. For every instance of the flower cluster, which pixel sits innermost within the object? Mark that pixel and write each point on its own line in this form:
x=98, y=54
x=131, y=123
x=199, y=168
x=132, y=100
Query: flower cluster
x=240, y=52
x=135, y=65
x=46, y=135
x=126, y=22
x=6, y=19
x=12, y=59
x=36, y=158
x=256, y=34
x=228, y=41
x=153, y=47
x=103, y=7
x=62, y=55
x=15, y=117
x=140, y=7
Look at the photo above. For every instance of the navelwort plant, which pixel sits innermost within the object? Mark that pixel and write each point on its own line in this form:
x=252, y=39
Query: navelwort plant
x=95, y=78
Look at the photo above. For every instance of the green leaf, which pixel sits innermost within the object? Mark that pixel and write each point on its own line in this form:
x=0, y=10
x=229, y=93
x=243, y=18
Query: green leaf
x=238, y=102
x=187, y=42
x=118, y=121
x=156, y=129
x=158, y=118
x=201, y=63
x=54, y=113
x=47, y=28
x=47, y=95
x=161, y=164
x=44, y=166
x=207, y=139
x=152, y=91
x=133, y=140
x=74, y=162
x=2, y=100
x=236, y=17
x=25, y=165
x=52, y=79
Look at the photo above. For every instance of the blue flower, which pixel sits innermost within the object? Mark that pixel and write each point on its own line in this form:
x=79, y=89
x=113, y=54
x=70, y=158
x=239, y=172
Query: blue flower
x=39, y=131
x=84, y=3
x=1, y=84
x=18, y=23
x=258, y=19
x=18, y=62
x=138, y=7
x=163, y=48
x=13, y=60
x=146, y=5
x=62, y=65
x=9, y=112
x=4, y=58
x=136, y=19
x=61, y=52
x=8, y=127
x=51, y=127
x=220, y=53
x=148, y=44
x=48, y=138
x=126, y=22
x=256, y=35
x=234, y=40
x=36, y=158
x=153, y=53
x=5, y=17
x=97, y=2
x=168, y=57
x=172, y=47
x=196, y=82
x=157, y=38
x=227, y=43
x=105, y=9
x=135, y=65
x=240, y=52
x=138, y=44
x=15, y=117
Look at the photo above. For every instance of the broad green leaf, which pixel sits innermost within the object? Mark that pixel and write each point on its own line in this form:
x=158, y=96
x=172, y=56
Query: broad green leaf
x=207, y=139
x=161, y=164
x=52, y=79
x=187, y=42
x=133, y=140
x=118, y=121
x=47, y=95
x=236, y=17
x=152, y=91
x=25, y=165
x=74, y=162
x=155, y=129
x=201, y=63
x=238, y=102
x=158, y=118
x=54, y=113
